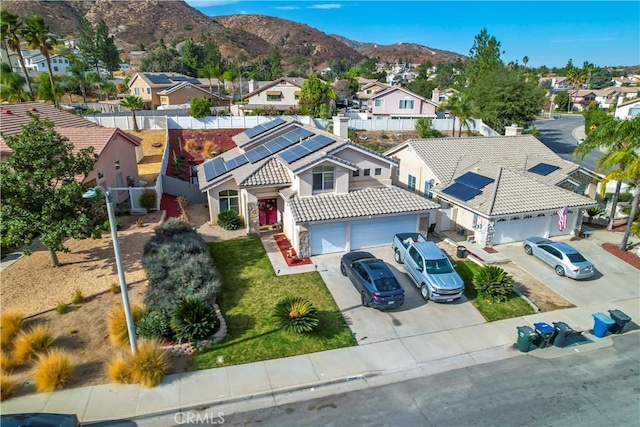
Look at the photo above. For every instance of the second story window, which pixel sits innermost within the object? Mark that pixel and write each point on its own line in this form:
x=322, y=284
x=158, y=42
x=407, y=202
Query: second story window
x=54, y=60
x=356, y=172
x=148, y=91
x=136, y=90
x=379, y=103
x=117, y=164
x=405, y=104
x=378, y=171
x=412, y=183
x=323, y=178
x=367, y=172
x=100, y=173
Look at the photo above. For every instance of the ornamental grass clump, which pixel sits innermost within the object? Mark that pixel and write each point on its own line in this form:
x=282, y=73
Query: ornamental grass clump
x=31, y=342
x=493, y=283
x=11, y=323
x=296, y=314
x=119, y=371
x=7, y=386
x=53, y=371
x=150, y=363
x=117, y=324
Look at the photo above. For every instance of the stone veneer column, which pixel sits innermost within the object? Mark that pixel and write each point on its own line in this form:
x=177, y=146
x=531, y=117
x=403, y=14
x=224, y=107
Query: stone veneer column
x=578, y=228
x=303, y=243
x=253, y=221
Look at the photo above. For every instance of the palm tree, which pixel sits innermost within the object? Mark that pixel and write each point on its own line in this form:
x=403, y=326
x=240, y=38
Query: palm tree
x=11, y=39
x=230, y=75
x=452, y=105
x=464, y=110
x=77, y=72
x=11, y=84
x=525, y=61
x=94, y=80
x=108, y=88
x=209, y=72
x=134, y=103
x=620, y=139
x=36, y=33
x=575, y=78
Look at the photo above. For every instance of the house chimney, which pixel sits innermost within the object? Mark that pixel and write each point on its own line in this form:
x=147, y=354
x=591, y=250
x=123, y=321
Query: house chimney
x=341, y=126
x=435, y=96
x=513, y=130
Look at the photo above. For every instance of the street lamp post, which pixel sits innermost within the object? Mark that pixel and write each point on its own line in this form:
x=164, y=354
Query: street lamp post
x=92, y=194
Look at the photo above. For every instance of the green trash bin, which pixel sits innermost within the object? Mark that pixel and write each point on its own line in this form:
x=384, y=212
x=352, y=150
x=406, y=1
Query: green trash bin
x=526, y=335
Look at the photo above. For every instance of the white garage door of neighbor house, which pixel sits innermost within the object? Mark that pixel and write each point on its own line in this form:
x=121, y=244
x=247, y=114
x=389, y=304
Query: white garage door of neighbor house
x=369, y=233
x=519, y=229
x=328, y=238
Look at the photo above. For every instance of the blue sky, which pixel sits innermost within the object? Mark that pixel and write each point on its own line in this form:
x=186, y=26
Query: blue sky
x=549, y=33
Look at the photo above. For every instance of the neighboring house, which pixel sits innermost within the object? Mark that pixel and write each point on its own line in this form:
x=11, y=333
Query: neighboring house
x=281, y=95
x=495, y=189
x=185, y=92
x=118, y=152
x=325, y=192
x=559, y=83
x=368, y=90
x=36, y=63
x=399, y=102
x=149, y=85
x=628, y=109
x=580, y=99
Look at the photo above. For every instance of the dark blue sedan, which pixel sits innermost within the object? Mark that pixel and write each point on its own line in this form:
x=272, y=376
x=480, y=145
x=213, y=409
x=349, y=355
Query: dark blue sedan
x=373, y=279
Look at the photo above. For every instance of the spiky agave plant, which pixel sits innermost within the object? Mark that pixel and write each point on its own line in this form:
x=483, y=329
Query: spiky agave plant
x=296, y=314
x=493, y=282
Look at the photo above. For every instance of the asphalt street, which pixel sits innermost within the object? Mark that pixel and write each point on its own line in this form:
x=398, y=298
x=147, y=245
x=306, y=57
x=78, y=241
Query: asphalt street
x=557, y=135
x=595, y=388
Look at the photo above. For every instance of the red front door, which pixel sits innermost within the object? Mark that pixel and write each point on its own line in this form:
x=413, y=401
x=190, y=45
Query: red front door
x=268, y=211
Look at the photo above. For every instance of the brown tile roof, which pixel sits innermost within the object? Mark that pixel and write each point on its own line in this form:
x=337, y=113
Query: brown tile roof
x=13, y=116
x=359, y=203
x=85, y=137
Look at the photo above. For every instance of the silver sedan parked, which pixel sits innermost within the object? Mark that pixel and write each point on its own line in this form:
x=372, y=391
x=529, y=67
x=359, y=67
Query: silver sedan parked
x=564, y=258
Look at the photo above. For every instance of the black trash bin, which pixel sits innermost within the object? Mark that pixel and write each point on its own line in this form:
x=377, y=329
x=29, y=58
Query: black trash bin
x=621, y=320
x=526, y=335
x=461, y=252
x=562, y=332
x=545, y=333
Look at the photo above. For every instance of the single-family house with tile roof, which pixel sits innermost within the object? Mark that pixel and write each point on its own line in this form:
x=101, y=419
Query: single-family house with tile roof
x=494, y=189
x=118, y=152
x=185, y=92
x=368, y=90
x=281, y=95
x=628, y=109
x=400, y=102
x=325, y=192
x=149, y=85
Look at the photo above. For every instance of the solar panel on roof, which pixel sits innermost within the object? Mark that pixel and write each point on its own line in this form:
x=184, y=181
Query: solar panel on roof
x=207, y=167
x=276, y=145
x=543, y=169
x=214, y=168
x=297, y=135
x=474, y=180
x=253, y=156
x=236, y=162
x=256, y=130
x=288, y=156
x=317, y=142
x=158, y=78
x=461, y=191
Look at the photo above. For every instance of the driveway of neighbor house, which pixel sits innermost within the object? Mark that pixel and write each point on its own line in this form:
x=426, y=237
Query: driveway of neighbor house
x=614, y=279
x=415, y=317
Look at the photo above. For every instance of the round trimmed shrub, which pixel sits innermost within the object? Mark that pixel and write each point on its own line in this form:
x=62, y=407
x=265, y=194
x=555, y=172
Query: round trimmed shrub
x=148, y=200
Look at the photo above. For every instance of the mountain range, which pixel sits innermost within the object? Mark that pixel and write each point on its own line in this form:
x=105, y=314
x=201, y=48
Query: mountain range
x=143, y=23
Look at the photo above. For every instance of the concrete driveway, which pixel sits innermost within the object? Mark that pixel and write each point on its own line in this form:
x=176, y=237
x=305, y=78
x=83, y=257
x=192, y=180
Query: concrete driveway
x=614, y=279
x=415, y=317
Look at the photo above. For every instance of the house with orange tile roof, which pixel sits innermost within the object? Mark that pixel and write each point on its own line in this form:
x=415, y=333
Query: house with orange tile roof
x=118, y=152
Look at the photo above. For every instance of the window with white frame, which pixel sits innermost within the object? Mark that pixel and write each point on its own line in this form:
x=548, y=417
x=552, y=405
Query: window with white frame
x=323, y=178
x=411, y=183
x=405, y=104
x=427, y=188
x=228, y=200
x=136, y=90
x=379, y=103
x=148, y=91
x=54, y=60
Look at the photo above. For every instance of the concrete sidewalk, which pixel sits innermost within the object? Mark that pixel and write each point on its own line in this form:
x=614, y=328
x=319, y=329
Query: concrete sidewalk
x=273, y=382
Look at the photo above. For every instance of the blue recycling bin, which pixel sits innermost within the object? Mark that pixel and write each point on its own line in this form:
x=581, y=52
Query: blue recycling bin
x=546, y=334
x=601, y=324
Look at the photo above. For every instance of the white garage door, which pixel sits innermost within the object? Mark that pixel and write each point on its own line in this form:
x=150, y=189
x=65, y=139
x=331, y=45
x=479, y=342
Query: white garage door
x=328, y=238
x=368, y=233
x=554, y=231
x=519, y=229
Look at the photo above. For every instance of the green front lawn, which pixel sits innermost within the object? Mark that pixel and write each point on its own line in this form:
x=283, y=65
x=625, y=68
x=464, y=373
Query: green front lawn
x=513, y=307
x=250, y=291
